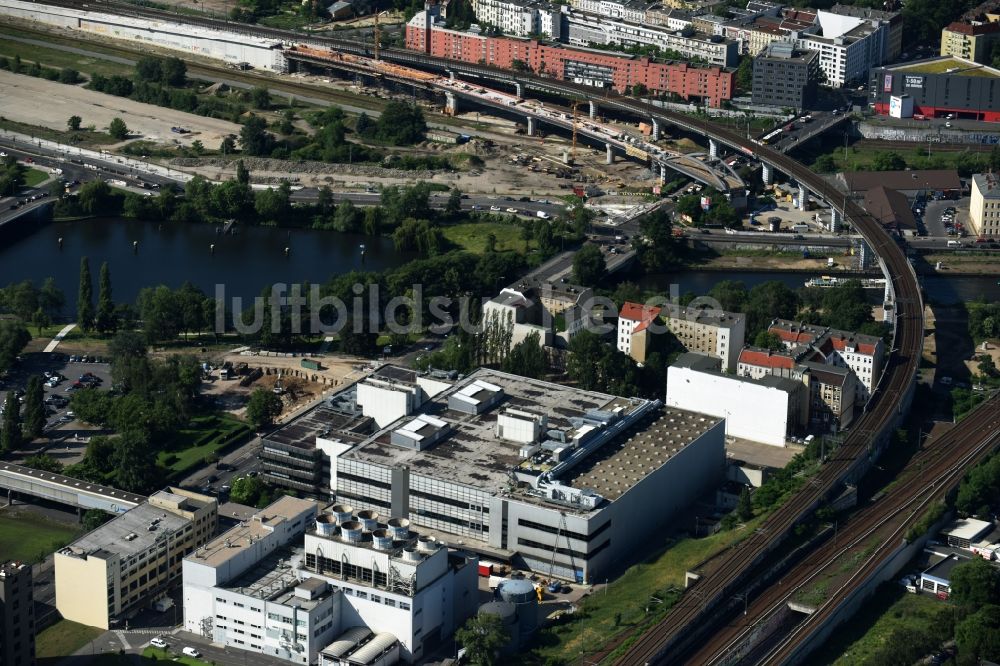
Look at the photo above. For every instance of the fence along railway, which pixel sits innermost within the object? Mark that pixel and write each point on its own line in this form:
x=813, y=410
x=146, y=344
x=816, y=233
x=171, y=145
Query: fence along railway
x=888, y=402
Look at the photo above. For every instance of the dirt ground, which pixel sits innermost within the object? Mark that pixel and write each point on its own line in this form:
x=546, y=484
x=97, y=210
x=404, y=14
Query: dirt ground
x=21, y=95
x=978, y=265
x=300, y=386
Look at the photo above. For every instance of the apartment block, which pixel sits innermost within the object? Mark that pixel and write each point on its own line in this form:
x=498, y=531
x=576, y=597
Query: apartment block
x=716, y=333
x=132, y=559
x=785, y=77
x=971, y=40
x=17, y=615
x=635, y=318
x=984, y=208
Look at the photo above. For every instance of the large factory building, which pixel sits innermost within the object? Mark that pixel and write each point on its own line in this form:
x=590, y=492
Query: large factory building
x=943, y=87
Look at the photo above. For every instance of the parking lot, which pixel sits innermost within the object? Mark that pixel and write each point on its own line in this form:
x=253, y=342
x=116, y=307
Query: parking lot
x=945, y=217
x=69, y=374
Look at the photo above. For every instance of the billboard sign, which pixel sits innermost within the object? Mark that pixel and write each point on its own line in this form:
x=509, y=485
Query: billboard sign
x=913, y=82
x=887, y=83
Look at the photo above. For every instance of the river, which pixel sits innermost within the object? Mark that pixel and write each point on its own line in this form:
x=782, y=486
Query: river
x=172, y=253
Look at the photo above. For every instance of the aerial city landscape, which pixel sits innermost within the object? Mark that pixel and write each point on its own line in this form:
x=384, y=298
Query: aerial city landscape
x=374, y=332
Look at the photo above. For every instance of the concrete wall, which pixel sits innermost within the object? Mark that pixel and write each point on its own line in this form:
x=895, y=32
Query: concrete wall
x=754, y=412
x=921, y=132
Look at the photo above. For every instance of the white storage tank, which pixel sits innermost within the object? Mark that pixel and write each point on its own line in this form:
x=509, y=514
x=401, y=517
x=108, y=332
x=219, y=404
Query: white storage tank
x=326, y=524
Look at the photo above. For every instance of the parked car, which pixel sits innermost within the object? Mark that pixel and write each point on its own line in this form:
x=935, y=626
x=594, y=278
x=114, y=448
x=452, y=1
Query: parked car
x=158, y=642
x=191, y=652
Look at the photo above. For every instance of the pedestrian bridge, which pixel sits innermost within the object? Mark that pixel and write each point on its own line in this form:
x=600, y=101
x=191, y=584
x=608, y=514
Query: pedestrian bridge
x=66, y=490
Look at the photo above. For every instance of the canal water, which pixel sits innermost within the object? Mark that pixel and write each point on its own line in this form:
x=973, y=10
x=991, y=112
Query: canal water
x=172, y=253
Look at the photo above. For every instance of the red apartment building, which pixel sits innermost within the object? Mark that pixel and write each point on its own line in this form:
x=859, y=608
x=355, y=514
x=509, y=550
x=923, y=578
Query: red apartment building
x=587, y=66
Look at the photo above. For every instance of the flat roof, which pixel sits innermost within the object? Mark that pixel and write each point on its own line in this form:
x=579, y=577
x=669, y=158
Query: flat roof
x=947, y=65
x=72, y=483
x=966, y=528
x=322, y=420
x=110, y=538
x=273, y=579
x=471, y=454
x=904, y=181
x=617, y=466
x=219, y=550
x=942, y=570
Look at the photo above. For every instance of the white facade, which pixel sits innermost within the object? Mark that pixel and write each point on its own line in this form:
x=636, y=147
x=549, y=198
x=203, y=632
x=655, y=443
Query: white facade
x=849, y=47
x=517, y=19
x=753, y=411
x=232, y=47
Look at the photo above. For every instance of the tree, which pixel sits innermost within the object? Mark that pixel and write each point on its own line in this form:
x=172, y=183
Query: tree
x=744, y=74
x=85, y=297
x=260, y=97
x=50, y=297
x=987, y=367
x=731, y=295
x=69, y=76
x=136, y=461
x=364, y=125
x=228, y=145
x=588, y=265
x=94, y=518
x=526, y=358
x=94, y=197
x=454, y=204
x=174, y=72
x=242, y=174
x=254, y=137
x=118, y=129
x=491, y=242
x=655, y=246
x=482, y=636
x=263, y=408
x=889, y=161
x=975, y=583
x=10, y=432
x=401, y=124
x=247, y=490
x=43, y=462
x=978, y=634
x=149, y=68
x=74, y=123
x=34, y=408
x=744, y=509
x=824, y=164
x=106, y=321
x=768, y=340
x=13, y=337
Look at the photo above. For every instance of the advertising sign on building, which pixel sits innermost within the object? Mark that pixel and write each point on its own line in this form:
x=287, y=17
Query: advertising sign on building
x=887, y=83
x=901, y=106
x=706, y=203
x=913, y=82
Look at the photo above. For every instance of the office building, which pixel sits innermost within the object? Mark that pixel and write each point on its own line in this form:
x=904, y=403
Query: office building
x=307, y=586
x=768, y=410
x=601, y=69
x=893, y=43
x=984, y=208
x=785, y=77
x=17, y=615
x=130, y=560
x=543, y=476
x=971, y=40
x=937, y=88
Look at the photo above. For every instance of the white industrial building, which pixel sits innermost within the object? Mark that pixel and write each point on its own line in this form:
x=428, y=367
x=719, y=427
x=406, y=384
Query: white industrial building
x=229, y=46
x=767, y=410
x=544, y=476
x=351, y=591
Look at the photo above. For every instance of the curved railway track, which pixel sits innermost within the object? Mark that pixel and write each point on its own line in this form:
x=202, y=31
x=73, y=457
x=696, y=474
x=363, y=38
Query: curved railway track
x=890, y=398
x=933, y=471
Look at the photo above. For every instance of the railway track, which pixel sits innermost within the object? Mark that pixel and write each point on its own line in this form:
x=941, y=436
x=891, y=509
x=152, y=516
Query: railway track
x=887, y=403
x=933, y=472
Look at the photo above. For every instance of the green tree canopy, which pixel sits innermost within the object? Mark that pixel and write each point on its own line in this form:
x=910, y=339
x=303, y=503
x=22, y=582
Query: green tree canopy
x=10, y=428
x=118, y=129
x=588, y=265
x=263, y=408
x=975, y=583
x=482, y=636
x=34, y=408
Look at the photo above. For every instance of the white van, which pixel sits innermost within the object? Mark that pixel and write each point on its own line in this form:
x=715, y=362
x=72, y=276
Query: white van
x=191, y=652
x=954, y=243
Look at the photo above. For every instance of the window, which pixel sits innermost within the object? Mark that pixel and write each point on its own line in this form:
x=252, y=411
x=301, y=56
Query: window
x=404, y=606
x=390, y=602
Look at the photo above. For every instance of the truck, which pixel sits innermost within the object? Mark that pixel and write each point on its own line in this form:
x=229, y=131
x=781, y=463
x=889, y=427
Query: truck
x=486, y=568
x=542, y=214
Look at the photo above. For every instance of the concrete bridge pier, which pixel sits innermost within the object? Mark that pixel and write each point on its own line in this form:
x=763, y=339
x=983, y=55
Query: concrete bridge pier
x=531, y=125
x=834, y=220
x=663, y=174
x=656, y=129
x=451, y=75
x=593, y=109
x=803, y=198
x=713, y=148
x=519, y=90
x=450, y=103
x=609, y=158
x=766, y=174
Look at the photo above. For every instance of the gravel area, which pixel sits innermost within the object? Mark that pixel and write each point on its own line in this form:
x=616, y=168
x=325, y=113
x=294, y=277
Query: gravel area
x=21, y=95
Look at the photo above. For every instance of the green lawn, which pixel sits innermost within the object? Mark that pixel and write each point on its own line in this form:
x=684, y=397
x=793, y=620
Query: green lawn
x=594, y=623
x=29, y=537
x=892, y=614
x=471, y=236
x=206, y=437
x=53, y=57
x=63, y=639
x=35, y=176
x=82, y=138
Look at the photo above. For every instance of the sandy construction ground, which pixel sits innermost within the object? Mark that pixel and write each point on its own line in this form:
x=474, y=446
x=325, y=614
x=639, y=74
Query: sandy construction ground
x=50, y=104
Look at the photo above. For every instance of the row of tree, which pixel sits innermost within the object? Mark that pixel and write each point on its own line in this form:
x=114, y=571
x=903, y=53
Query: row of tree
x=64, y=75
x=17, y=427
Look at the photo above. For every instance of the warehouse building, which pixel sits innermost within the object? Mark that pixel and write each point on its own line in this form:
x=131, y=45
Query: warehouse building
x=543, y=476
x=128, y=561
x=936, y=88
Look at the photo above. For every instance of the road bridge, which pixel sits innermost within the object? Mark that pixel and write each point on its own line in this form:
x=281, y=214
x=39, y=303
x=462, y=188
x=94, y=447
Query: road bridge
x=65, y=490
